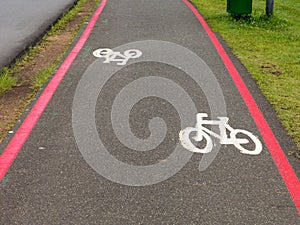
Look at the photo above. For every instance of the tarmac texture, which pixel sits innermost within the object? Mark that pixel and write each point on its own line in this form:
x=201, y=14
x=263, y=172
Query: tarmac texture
x=24, y=22
x=62, y=176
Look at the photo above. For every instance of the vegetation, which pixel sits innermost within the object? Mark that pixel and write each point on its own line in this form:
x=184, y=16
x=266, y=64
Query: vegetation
x=269, y=47
x=9, y=75
x=31, y=71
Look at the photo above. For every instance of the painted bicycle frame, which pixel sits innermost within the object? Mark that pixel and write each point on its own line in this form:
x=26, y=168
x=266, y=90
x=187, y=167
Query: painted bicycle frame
x=203, y=132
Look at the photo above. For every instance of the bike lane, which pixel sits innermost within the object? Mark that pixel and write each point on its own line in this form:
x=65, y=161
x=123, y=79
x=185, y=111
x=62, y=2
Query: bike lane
x=52, y=181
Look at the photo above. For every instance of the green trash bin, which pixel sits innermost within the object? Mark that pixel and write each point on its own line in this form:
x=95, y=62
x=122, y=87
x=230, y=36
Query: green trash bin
x=239, y=6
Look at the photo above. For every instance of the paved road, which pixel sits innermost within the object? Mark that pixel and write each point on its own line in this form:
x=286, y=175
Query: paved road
x=75, y=169
x=22, y=22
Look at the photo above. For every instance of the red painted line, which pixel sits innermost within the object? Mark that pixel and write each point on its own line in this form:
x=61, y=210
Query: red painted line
x=286, y=171
x=16, y=143
x=284, y=168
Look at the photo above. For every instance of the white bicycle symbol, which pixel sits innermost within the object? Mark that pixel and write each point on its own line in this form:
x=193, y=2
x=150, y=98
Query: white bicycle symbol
x=111, y=56
x=202, y=131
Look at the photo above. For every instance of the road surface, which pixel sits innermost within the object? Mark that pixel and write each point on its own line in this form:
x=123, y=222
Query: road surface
x=23, y=22
x=80, y=163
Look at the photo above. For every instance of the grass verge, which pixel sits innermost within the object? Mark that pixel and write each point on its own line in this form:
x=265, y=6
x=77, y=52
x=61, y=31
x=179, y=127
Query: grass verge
x=9, y=75
x=6, y=80
x=269, y=47
x=20, y=82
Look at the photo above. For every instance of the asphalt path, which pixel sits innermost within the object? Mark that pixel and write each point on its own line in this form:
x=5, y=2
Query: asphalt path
x=23, y=22
x=74, y=168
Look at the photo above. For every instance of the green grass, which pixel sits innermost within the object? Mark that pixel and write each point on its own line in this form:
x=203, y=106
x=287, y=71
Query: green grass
x=8, y=78
x=269, y=47
x=11, y=76
x=42, y=76
x=61, y=24
x=6, y=81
